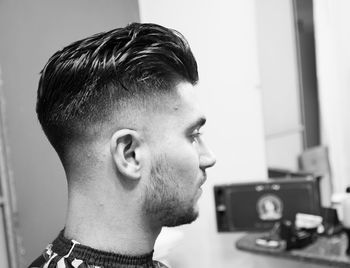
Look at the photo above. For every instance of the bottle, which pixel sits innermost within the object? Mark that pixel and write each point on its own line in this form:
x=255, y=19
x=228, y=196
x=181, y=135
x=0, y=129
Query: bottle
x=346, y=217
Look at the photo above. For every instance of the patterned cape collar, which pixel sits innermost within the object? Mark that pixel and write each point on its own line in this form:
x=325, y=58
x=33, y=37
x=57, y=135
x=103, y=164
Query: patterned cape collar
x=69, y=253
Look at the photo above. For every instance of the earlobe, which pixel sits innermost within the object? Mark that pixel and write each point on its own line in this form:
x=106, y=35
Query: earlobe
x=125, y=150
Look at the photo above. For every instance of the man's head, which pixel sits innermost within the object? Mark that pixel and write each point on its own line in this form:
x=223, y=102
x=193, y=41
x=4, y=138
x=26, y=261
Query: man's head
x=129, y=90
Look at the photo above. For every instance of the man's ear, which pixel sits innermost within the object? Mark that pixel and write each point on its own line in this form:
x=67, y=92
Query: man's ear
x=125, y=146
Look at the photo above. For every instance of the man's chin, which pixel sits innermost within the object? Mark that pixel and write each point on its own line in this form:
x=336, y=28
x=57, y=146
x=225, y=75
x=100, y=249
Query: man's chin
x=185, y=218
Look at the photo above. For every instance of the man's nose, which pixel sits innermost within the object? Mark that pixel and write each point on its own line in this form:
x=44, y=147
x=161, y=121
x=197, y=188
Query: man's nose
x=207, y=159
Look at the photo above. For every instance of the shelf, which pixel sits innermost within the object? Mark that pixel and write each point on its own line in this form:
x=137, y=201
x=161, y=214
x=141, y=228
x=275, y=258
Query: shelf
x=328, y=251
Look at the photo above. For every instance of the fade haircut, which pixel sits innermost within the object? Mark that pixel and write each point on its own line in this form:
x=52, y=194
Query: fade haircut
x=84, y=83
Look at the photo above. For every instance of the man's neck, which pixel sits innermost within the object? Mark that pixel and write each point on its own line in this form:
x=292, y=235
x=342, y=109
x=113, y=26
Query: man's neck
x=112, y=227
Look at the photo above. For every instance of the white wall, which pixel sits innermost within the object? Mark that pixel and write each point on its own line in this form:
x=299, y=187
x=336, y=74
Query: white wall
x=332, y=37
x=222, y=35
x=30, y=32
x=279, y=82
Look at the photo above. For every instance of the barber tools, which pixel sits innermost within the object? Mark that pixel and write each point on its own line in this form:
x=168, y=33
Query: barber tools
x=285, y=236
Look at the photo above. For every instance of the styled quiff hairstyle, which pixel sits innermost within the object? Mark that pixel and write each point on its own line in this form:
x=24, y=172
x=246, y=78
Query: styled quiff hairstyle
x=84, y=83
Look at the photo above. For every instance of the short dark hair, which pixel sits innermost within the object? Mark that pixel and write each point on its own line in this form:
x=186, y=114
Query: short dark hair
x=83, y=83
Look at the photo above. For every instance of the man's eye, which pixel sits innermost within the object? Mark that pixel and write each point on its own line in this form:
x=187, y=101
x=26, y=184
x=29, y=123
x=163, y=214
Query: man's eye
x=196, y=135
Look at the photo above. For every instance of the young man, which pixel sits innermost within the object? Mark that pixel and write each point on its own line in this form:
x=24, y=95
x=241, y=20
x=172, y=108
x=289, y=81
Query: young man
x=120, y=110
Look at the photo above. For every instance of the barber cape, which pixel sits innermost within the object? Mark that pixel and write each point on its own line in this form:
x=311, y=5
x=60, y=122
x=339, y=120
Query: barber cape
x=65, y=253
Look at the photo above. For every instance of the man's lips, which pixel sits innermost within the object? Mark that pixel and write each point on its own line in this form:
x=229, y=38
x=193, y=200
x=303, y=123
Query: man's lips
x=203, y=179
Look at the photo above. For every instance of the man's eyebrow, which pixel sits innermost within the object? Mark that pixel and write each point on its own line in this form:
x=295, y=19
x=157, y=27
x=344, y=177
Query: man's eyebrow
x=198, y=123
